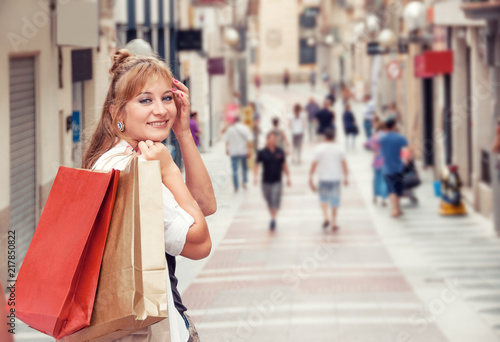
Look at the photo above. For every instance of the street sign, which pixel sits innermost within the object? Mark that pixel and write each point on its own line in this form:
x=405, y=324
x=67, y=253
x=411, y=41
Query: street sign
x=215, y=66
x=189, y=40
x=393, y=70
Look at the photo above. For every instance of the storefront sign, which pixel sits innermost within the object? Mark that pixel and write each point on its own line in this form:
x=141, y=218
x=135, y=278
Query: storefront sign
x=216, y=66
x=432, y=63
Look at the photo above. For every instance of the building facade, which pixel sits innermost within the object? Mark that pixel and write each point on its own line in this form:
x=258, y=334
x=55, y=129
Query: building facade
x=53, y=77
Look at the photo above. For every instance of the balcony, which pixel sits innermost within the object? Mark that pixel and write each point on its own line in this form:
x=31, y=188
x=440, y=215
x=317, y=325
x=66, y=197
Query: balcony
x=481, y=9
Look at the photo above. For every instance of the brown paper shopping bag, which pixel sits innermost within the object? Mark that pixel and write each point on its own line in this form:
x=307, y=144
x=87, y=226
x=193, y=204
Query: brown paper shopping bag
x=132, y=289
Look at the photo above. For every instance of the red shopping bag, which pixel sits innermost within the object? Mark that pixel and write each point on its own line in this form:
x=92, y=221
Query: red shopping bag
x=57, y=282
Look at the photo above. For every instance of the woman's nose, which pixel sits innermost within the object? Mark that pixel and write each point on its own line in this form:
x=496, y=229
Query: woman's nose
x=159, y=108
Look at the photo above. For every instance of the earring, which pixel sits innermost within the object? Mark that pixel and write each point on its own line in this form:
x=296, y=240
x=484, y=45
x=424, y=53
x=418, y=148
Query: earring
x=121, y=126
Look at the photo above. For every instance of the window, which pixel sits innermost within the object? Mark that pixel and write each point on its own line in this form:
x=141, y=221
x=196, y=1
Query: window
x=307, y=54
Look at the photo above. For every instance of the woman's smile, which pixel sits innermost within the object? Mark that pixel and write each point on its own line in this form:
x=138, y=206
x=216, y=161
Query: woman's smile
x=158, y=124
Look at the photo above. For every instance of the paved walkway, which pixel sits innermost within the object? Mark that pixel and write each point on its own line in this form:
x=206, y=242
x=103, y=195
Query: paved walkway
x=420, y=278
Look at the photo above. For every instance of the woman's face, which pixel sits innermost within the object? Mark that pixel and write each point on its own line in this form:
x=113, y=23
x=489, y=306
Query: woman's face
x=151, y=114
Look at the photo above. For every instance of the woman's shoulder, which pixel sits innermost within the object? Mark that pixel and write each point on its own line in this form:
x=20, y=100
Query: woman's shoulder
x=114, y=158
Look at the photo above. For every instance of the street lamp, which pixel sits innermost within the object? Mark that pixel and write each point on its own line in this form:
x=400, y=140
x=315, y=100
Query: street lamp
x=254, y=43
x=358, y=30
x=372, y=23
x=139, y=47
x=329, y=40
x=231, y=36
x=414, y=16
x=386, y=38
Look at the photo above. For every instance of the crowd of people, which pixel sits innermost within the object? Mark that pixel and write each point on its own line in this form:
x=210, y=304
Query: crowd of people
x=394, y=173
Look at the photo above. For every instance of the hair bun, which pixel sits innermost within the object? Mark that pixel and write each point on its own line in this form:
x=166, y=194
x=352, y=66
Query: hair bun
x=118, y=59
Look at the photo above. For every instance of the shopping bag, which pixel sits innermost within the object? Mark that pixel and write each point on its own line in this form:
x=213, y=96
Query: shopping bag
x=132, y=289
x=56, y=285
x=410, y=178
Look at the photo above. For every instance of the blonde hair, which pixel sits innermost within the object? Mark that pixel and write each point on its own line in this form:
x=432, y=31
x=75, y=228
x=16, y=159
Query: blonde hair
x=130, y=74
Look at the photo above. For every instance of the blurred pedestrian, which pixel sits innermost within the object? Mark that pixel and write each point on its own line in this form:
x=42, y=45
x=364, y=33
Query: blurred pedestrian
x=350, y=127
x=281, y=138
x=238, y=144
x=325, y=77
x=391, y=144
x=368, y=114
x=286, y=78
x=312, y=108
x=331, y=96
x=379, y=183
x=297, y=125
x=330, y=164
x=257, y=82
x=312, y=78
x=392, y=111
x=256, y=108
x=345, y=93
x=325, y=117
x=273, y=162
x=195, y=129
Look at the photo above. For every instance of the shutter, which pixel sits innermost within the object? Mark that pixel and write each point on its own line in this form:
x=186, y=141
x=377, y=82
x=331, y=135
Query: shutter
x=22, y=152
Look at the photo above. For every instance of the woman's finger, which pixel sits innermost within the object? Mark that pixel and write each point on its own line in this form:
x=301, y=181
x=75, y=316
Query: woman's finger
x=179, y=85
x=129, y=150
x=142, y=147
x=182, y=97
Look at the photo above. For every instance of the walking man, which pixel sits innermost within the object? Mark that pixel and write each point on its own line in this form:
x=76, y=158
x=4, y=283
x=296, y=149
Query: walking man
x=391, y=145
x=273, y=162
x=330, y=164
x=238, y=145
x=325, y=117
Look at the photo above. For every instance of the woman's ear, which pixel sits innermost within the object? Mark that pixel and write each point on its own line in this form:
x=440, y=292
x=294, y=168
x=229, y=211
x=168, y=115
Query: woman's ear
x=115, y=114
x=112, y=112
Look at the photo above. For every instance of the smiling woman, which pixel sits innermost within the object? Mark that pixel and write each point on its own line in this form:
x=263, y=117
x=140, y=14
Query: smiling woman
x=144, y=102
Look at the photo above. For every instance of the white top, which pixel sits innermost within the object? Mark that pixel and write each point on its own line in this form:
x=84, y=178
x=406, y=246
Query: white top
x=329, y=157
x=176, y=223
x=369, y=110
x=237, y=137
x=297, y=123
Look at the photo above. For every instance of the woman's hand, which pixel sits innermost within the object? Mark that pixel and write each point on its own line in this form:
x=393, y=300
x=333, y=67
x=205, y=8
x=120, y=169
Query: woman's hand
x=181, y=124
x=150, y=150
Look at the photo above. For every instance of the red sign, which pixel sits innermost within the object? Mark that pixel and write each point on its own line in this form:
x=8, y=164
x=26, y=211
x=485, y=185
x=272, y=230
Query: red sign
x=393, y=70
x=216, y=66
x=432, y=63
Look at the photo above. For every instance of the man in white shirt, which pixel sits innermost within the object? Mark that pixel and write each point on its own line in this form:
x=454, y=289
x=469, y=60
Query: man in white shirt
x=330, y=164
x=238, y=144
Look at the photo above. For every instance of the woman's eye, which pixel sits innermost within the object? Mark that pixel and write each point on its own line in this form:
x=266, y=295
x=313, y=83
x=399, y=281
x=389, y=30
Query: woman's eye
x=167, y=98
x=145, y=101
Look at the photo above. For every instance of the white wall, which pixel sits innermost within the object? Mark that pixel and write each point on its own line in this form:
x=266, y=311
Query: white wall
x=24, y=21
x=279, y=16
